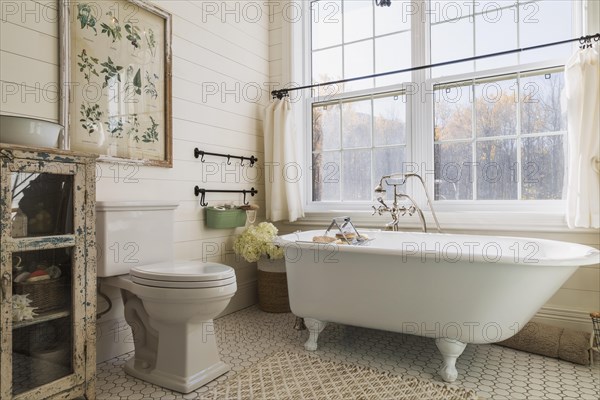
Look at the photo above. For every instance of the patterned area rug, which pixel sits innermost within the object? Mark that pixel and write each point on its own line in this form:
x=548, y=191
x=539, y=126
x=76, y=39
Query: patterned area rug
x=287, y=375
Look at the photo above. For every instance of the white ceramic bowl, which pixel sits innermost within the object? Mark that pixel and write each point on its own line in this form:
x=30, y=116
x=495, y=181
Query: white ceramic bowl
x=29, y=131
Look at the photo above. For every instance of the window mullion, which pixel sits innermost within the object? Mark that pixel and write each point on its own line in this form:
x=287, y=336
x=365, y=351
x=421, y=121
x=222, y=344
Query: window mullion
x=374, y=83
x=373, y=177
x=341, y=151
x=343, y=42
x=518, y=17
x=341, y=167
x=420, y=105
x=518, y=140
x=474, y=144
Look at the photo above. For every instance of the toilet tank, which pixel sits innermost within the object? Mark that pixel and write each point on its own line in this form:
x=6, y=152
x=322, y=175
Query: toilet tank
x=129, y=234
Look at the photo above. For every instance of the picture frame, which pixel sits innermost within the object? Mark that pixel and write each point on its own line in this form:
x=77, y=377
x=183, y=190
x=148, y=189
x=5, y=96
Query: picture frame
x=120, y=81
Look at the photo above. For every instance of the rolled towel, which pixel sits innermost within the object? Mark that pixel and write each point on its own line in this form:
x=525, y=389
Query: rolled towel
x=536, y=338
x=551, y=341
x=575, y=346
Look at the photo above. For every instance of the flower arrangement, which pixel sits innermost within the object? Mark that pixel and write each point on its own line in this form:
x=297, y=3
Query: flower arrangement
x=21, y=310
x=257, y=241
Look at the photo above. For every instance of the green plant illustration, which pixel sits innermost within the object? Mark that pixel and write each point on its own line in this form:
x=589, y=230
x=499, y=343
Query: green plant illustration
x=151, y=134
x=86, y=17
x=110, y=71
x=133, y=85
x=150, y=87
x=113, y=31
x=133, y=35
x=137, y=82
x=90, y=116
x=134, y=128
x=87, y=65
x=151, y=41
x=115, y=127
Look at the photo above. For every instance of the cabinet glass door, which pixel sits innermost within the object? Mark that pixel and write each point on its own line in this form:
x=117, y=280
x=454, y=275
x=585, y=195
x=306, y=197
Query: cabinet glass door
x=42, y=204
x=43, y=277
x=42, y=328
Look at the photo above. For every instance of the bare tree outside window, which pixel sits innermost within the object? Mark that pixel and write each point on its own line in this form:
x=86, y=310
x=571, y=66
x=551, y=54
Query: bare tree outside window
x=515, y=148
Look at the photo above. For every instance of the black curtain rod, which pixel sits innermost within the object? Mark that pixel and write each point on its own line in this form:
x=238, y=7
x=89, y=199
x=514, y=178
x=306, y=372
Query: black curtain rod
x=584, y=40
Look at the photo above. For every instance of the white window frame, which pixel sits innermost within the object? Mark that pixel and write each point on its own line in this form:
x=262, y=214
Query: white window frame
x=514, y=214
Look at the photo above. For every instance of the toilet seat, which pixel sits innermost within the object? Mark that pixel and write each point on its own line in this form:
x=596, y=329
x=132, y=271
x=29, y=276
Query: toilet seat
x=183, y=274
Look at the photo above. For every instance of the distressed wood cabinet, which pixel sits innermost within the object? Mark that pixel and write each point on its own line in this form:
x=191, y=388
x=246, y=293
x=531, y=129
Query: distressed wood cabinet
x=48, y=257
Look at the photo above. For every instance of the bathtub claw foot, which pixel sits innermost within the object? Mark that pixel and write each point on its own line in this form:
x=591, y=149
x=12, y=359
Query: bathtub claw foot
x=314, y=327
x=451, y=349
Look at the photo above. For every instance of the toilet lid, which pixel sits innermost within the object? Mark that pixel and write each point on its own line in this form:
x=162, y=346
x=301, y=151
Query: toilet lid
x=184, y=274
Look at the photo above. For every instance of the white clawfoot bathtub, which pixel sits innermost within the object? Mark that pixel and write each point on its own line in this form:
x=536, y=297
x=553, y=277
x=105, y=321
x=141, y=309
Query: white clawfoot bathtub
x=457, y=289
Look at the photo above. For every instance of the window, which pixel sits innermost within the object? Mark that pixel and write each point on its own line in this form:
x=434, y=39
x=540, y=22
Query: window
x=500, y=138
x=481, y=132
x=355, y=142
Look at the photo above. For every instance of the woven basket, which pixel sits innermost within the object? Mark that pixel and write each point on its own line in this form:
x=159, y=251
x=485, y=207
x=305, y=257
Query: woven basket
x=45, y=295
x=272, y=289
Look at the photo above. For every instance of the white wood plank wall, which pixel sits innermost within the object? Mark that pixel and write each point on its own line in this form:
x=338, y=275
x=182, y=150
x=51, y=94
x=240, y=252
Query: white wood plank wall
x=220, y=88
x=220, y=72
x=29, y=59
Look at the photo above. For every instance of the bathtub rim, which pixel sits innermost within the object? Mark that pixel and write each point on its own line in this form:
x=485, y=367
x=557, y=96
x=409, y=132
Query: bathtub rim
x=588, y=255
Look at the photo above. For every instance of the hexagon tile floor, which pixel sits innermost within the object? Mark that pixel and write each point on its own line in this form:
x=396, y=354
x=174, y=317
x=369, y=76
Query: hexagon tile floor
x=492, y=371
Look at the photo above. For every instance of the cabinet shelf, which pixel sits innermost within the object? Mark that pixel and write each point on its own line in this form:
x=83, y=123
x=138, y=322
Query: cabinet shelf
x=44, y=242
x=43, y=317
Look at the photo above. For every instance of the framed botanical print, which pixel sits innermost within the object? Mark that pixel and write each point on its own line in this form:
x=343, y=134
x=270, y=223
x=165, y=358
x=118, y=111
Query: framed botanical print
x=120, y=86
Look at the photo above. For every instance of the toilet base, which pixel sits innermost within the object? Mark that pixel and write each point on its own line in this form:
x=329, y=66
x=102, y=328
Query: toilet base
x=178, y=383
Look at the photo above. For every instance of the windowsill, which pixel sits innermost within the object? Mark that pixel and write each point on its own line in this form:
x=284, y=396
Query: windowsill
x=482, y=221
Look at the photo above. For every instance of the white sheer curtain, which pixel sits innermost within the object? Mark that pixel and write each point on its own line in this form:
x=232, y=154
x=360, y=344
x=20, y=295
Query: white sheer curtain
x=582, y=90
x=283, y=174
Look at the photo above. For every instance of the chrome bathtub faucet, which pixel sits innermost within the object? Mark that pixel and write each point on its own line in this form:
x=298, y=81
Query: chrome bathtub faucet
x=397, y=210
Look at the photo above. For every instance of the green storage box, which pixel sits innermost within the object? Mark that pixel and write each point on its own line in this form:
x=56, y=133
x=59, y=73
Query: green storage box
x=219, y=218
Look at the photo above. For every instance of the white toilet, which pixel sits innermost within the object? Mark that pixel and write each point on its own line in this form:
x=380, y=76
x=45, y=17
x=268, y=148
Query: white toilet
x=169, y=304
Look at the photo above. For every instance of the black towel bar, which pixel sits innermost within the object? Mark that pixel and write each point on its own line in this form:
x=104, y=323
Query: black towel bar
x=202, y=153
x=202, y=193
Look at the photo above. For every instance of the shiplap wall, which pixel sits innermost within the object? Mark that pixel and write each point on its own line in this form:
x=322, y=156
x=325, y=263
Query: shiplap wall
x=214, y=49
x=220, y=59
x=569, y=307
x=29, y=60
x=275, y=46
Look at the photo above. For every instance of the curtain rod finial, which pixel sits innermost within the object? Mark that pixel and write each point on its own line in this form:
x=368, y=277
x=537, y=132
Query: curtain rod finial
x=280, y=94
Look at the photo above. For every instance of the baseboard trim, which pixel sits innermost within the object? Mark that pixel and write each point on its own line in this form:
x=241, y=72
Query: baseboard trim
x=565, y=318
